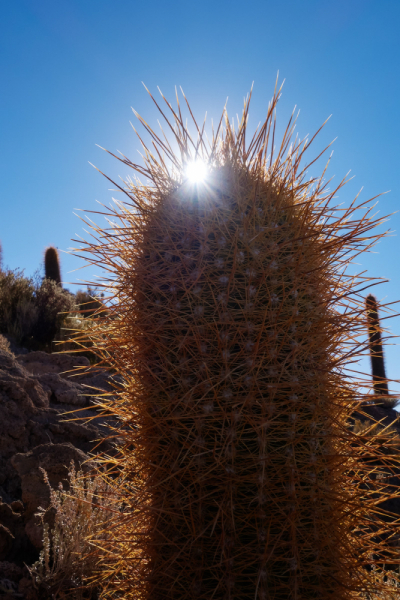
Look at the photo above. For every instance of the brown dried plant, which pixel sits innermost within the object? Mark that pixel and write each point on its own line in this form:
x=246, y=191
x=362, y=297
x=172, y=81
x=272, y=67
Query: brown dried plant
x=67, y=564
x=234, y=324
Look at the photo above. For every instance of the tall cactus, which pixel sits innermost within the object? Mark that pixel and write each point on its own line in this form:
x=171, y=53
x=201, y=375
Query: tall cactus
x=52, y=264
x=376, y=352
x=232, y=325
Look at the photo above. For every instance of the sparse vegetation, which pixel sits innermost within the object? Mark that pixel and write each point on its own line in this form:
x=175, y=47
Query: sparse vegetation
x=17, y=308
x=36, y=312
x=4, y=344
x=89, y=302
x=83, y=517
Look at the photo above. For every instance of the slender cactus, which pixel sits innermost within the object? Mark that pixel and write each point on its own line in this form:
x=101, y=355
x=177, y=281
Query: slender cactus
x=376, y=352
x=52, y=264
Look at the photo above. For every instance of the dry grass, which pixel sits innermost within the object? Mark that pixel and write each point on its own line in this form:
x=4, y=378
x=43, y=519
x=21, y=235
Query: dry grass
x=5, y=344
x=83, y=518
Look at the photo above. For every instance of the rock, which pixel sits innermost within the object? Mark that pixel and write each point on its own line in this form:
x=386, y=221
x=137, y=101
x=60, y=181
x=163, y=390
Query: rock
x=6, y=541
x=34, y=531
x=55, y=459
x=61, y=390
x=11, y=571
x=19, y=547
x=27, y=589
x=9, y=364
x=39, y=395
x=39, y=363
x=17, y=506
x=26, y=392
x=9, y=518
x=8, y=589
x=34, y=408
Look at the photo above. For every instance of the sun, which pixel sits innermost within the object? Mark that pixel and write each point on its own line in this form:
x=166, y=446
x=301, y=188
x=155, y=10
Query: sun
x=196, y=171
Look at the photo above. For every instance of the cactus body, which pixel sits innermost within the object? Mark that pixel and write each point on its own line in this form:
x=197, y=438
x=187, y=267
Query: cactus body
x=242, y=477
x=52, y=265
x=376, y=349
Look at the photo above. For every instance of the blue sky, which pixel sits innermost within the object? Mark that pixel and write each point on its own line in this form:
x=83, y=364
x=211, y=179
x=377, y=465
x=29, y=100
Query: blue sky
x=71, y=71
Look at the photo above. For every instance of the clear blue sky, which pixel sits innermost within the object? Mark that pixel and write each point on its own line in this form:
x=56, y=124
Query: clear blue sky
x=72, y=69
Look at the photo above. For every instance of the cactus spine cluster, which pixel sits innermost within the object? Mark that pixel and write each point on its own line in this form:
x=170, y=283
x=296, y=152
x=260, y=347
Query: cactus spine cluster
x=52, y=264
x=232, y=325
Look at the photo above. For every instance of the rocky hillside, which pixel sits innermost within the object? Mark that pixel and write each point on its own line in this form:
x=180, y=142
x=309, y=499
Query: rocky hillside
x=36, y=390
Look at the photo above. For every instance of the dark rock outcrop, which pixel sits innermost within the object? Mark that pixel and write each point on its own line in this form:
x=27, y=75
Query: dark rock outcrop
x=55, y=460
x=39, y=395
x=36, y=409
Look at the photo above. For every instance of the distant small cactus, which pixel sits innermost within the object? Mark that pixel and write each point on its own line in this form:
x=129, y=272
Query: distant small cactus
x=52, y=264
x=376, y=351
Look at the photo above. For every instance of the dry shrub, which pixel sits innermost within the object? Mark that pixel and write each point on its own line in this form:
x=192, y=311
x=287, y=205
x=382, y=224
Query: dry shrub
x=83, y=515
x=75, y=334
x=89, y=303
x=5, y=344
x=53, y=304
x=17, y=310
x=389, y=580
x=32, y=312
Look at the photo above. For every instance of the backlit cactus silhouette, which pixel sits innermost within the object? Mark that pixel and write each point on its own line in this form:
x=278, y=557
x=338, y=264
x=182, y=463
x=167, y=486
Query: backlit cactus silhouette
x=376, y=349
x=52, y=264
x=232, y=324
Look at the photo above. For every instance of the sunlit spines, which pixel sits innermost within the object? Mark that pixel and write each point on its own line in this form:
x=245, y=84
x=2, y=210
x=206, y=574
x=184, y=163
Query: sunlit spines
x=230, y=336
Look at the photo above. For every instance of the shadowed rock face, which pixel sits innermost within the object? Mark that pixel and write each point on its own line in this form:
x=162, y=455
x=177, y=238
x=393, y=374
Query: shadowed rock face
x=36, y=390
x=40, y=363
x=55, y=460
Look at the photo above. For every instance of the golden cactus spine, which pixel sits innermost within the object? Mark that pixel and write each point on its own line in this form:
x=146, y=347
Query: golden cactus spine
x=232, y=325
x=52, y=264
